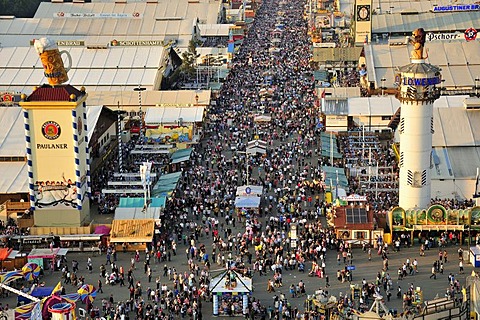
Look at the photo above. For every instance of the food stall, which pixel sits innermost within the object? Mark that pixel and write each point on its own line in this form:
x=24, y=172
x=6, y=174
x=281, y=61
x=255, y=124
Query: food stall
x=45, y=258
x=134, y=234
x=230, y=293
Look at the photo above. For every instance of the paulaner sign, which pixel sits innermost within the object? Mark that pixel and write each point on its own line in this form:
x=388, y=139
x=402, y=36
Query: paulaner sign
x=52, y=146
x=454, y=8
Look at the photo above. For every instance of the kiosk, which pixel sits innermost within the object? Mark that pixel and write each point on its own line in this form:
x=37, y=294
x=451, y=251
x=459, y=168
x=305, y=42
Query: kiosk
x=230, y=293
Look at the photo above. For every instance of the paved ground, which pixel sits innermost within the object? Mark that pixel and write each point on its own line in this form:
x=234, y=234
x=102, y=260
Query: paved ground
x=364, y=269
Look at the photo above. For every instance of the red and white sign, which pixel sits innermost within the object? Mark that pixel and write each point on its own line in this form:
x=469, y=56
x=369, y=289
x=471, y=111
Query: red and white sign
x=354, y=198
x=470, y=34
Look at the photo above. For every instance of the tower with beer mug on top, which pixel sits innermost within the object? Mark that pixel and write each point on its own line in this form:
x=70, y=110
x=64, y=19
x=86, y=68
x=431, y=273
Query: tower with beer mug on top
x=417, y=90
x=55, y=117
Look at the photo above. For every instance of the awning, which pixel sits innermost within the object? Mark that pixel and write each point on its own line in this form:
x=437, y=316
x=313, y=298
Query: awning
x=140, y=231
x=80, y=237
x=138, y=213
x=43, y=253
x=218, y=285
x=182, y=159
x=247, y=202
x=4, y=253
x=139, y=202
x=62, y=252
x=13, y=254
x=249, y=191
x=166, y=184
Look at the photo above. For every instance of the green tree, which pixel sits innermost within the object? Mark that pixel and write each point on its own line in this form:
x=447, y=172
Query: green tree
x=19, y=8
x=188, y=60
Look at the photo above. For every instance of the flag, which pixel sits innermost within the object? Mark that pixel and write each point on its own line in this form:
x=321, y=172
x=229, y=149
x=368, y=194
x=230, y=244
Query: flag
x=57, y=288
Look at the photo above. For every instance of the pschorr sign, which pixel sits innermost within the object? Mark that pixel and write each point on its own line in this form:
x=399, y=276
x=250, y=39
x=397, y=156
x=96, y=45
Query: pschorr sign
x=460, y=7
x=443, y=36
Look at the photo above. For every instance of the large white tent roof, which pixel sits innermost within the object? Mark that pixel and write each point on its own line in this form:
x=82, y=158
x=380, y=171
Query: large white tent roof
x=92, y=31
x=12, y=144
x=12, y=132
x=14, y=177
x=215, y=30
x=168, y=115
x=399, y=6
x=205, y=11
x=395, y=6
x=406, y=23
x=456, y=127
x=459, y=61
x=120, y=68
x=130, y=98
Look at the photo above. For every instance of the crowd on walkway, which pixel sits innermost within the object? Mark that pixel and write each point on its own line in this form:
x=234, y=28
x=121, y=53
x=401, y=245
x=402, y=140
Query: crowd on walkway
x=201, y=221
x=204, y=204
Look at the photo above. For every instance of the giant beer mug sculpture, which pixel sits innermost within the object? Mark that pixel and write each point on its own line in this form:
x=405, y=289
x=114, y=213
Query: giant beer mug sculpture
x=52, y=62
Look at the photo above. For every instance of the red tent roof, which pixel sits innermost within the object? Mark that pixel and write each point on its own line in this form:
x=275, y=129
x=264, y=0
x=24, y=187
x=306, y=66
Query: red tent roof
x=49, y=93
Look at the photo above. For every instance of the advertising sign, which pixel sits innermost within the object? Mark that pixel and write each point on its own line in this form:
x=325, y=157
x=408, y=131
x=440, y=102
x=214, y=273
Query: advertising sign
x=456, y=8
x=363, y=21
x=66, y=43
x=136, y=43
x=53, y=148
x=470, y=34
x=443, y=36
x=100, y=15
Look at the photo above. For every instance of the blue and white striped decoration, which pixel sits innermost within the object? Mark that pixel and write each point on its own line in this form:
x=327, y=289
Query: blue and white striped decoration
x=119, y=137
x=77, y=160
x=31, y=185
x=87, y=151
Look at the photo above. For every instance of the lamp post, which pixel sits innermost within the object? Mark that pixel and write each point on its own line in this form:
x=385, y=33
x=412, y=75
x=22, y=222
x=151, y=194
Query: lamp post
x=139, y=90
x=246, y=162
x=383, y=85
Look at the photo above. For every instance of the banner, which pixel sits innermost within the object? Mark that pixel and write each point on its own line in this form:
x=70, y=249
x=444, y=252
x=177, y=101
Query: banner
x=100, y=15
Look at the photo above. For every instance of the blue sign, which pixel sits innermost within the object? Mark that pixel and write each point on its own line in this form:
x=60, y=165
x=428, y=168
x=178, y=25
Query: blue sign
x=421, y=81
x=460, y=7
x=350, y=268
x=248, y=190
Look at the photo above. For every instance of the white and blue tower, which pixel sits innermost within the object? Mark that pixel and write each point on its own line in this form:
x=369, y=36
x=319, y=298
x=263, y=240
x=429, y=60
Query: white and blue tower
x=418, y=88
x=57, y=155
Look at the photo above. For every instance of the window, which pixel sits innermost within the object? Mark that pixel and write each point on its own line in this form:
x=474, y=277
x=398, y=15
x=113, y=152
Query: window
x=356, y=215
x=360, y=235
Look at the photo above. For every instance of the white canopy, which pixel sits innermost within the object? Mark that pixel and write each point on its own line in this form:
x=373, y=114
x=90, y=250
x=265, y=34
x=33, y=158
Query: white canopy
x=112, y=69
x=254, y=191
x=171, y=115
x=218, y=283
x=247, y=202
x=137, y=213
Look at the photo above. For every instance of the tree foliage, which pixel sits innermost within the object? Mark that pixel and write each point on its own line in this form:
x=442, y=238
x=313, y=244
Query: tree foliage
x=19, y=8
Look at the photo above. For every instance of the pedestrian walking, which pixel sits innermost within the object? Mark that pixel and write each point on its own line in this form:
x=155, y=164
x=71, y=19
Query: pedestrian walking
x=99, y=286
